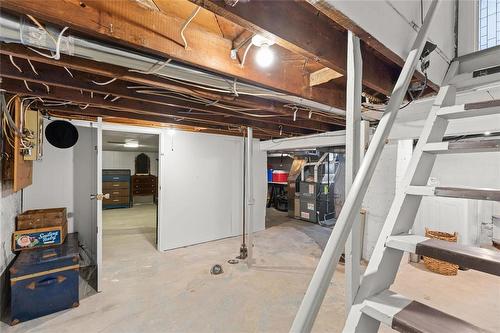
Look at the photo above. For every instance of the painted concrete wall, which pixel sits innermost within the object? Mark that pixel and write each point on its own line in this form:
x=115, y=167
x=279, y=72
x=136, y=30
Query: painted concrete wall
x=470, y=218
x=10, y=206
x=126, y=160
x=202, y=185
x=395, y=24
x=52, y=181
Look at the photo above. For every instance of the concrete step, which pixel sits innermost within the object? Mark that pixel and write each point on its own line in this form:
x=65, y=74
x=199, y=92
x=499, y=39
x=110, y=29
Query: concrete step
x=455, y=192
x=483, y=146
x=405, y=315
x=476, y=258
x=470, y=110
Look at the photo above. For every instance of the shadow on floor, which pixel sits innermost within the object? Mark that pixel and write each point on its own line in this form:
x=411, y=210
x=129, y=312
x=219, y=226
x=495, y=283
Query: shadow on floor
x=316, y=232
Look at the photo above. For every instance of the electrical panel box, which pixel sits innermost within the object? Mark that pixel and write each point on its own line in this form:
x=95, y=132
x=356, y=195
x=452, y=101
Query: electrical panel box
x=33, y=131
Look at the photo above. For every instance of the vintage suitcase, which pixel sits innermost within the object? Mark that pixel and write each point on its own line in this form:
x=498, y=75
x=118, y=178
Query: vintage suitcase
x=37, y=238
x=41, y=218
x=44, y=281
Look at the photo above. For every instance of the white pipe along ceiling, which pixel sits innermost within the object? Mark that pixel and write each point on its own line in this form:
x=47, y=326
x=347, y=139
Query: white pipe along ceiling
x=19, y=30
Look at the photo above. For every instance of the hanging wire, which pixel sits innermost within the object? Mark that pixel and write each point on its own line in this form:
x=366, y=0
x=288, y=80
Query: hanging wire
x=33, y=67
x=14, y=64
x=69, y=72
x=104, y=83
x=185, y=25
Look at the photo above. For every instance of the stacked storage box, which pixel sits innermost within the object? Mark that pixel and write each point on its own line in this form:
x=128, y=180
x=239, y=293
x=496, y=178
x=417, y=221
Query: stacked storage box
x=40, y=228
x=44, y=281
x=44, y=277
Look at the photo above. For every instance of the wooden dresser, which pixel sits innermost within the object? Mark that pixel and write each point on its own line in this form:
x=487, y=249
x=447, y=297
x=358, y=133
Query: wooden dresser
x=116, y=182
x=144, y=185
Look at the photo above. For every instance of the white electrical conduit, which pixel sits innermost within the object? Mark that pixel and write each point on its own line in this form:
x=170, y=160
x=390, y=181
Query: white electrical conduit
x=152, y=70
x=12, y=30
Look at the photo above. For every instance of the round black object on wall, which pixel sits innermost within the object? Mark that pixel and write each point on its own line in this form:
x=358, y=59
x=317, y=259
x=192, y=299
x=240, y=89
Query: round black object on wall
x=61, y=134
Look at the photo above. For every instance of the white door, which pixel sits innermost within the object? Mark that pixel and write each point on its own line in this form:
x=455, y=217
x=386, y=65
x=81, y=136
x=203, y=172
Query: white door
x=87, y=155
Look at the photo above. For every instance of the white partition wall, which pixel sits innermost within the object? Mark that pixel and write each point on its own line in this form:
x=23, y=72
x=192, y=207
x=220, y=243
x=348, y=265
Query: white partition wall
x=202, y=188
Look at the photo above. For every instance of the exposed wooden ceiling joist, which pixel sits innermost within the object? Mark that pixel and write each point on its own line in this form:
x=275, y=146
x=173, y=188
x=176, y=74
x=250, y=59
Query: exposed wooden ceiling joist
x=322, y=76
x=111, y=71
x=56, y=76
x=299, y=27
x=91, y=113
x=130, y=106
x=155, y=32
x=348, y=24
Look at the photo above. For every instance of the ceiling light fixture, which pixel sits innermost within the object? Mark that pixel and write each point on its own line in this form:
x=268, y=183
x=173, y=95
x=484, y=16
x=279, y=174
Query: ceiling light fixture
x=264, y=56
x=131, y=143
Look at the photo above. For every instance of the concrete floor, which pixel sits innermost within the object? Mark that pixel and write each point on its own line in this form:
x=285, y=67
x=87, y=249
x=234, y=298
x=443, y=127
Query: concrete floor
x=148, y=291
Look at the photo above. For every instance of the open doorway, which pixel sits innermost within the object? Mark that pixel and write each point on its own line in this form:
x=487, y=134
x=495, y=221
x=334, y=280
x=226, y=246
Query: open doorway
x=130, y=164
x=306, y=190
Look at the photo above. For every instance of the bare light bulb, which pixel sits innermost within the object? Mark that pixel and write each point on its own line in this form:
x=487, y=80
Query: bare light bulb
x=264, y=56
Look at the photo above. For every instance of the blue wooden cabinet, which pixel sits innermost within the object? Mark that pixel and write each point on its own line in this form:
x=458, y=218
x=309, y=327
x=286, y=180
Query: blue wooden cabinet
x=116, y=183
x=44, y=281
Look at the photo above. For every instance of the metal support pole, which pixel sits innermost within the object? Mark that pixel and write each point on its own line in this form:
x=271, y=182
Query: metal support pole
x=250, y=199
x=353, y=147
x=322, y=277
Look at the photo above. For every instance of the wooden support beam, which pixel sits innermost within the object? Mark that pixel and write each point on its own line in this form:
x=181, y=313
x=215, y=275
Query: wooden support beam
x=56, y=76
x=141, y=107
x=322, y=76
x=299, y=27
x=370, y=41
x=112, y=71
x=154, y=32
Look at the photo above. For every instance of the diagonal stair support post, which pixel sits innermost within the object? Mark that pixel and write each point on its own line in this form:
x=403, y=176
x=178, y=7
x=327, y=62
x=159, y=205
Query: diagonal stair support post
x=322, y=277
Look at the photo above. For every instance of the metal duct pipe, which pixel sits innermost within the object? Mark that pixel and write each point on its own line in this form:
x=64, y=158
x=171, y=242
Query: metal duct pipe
x=19, y=30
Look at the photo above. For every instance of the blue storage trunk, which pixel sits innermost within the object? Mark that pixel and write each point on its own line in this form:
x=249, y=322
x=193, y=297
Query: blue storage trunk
x=44, y=281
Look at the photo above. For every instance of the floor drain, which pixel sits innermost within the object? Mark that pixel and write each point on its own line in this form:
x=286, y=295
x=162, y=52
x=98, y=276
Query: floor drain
x=216, y=270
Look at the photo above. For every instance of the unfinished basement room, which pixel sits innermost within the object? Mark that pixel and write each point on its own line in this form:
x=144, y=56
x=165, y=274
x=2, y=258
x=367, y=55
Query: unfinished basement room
x=242, y=166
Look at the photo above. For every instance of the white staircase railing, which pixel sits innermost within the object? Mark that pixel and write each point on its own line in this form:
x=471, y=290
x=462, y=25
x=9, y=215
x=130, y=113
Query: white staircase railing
x=320, y=281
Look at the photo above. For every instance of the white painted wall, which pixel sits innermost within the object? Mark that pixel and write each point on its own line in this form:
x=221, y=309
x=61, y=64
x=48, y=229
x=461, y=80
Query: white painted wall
x=52, y=181
x=202, y=188
x=126, y=160
x=10, y=206
x=392, y=23
x=471, y=219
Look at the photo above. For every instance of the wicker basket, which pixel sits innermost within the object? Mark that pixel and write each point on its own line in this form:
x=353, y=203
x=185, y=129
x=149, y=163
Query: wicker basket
x=439, y=266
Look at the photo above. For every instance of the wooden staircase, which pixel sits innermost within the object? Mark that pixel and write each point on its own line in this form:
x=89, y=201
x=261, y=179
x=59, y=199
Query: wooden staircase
x=375, y=303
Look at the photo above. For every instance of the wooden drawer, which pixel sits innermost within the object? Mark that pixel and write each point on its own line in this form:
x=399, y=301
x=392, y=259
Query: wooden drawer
x=145, y=186
x=144, y=191
x=116, y=200
x=121, y=192
x=114, y=185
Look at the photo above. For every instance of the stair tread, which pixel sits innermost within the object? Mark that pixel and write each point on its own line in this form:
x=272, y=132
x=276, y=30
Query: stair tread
x=405, y=315
x=463, y=147
x=476, y=109
x=456, y=192
x=480, y=259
